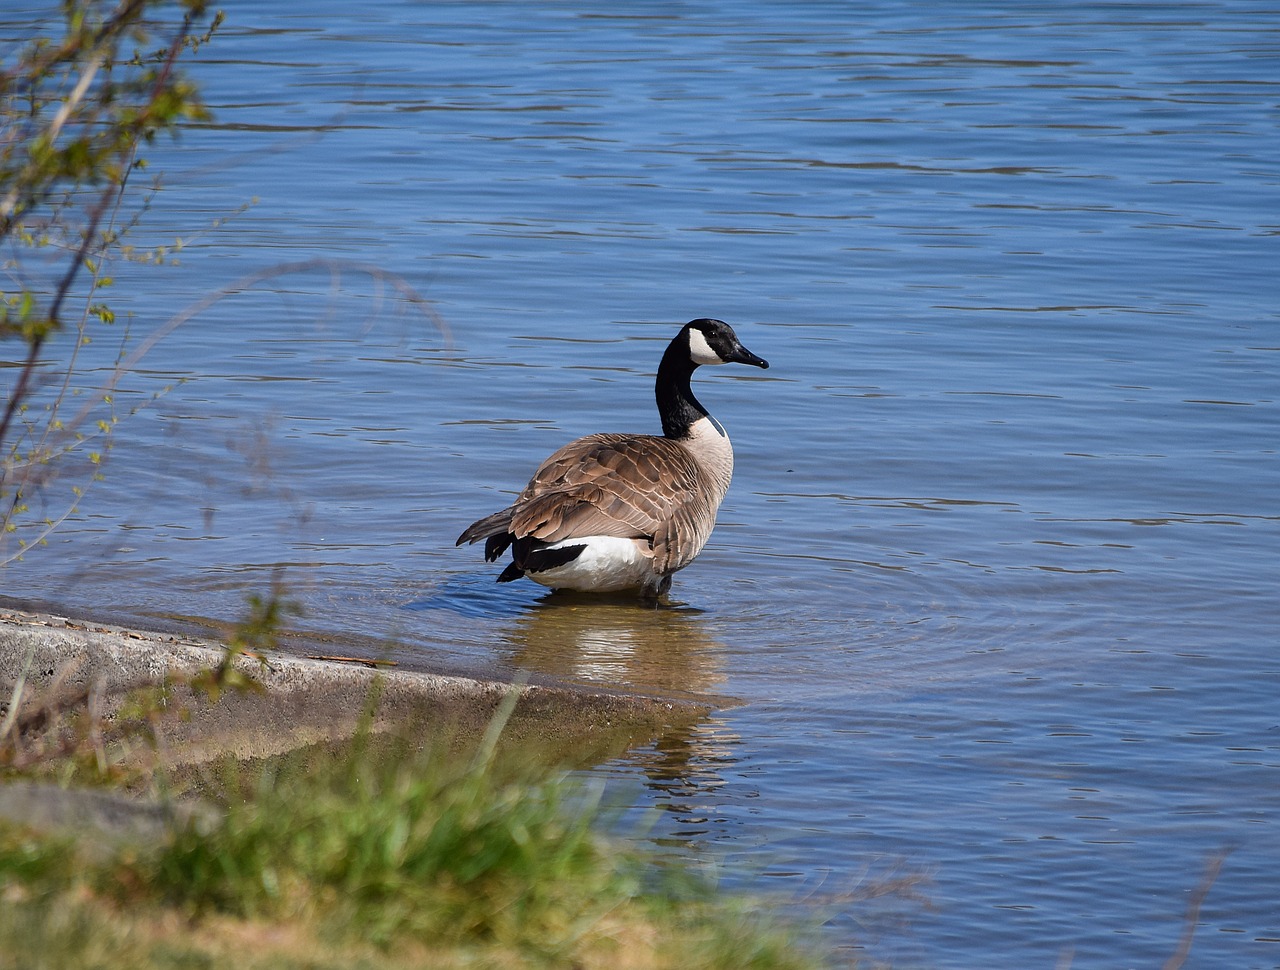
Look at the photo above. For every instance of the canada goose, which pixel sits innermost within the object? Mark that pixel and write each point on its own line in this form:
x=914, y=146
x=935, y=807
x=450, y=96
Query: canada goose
x=612, y=512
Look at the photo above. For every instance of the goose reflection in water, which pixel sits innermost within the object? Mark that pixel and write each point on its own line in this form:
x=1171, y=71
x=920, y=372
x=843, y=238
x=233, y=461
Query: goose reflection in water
x=616, y=643
x=621, y=644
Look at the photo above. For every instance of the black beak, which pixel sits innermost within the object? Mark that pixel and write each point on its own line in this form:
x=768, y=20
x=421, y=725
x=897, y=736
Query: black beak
x=740, y=355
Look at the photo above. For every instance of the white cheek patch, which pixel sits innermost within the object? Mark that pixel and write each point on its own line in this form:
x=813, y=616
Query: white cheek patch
x=700, y=351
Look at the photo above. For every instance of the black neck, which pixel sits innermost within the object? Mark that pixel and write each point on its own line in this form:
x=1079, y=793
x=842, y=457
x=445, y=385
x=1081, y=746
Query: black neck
x=676, y=404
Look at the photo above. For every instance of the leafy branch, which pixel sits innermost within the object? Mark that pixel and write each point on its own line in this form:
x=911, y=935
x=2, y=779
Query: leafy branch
x=74, y=113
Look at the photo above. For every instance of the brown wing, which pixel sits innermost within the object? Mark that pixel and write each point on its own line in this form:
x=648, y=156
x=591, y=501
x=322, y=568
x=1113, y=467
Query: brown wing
x=632, y=486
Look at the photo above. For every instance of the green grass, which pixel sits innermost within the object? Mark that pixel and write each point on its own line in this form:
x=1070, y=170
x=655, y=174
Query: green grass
x=405, y=859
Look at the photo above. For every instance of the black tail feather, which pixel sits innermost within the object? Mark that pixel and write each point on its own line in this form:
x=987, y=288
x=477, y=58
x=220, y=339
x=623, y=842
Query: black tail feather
x=496, y=545
x=530, y=556
x=540, y=560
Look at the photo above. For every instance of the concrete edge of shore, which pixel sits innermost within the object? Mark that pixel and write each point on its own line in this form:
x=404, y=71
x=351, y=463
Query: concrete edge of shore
x=48, y=662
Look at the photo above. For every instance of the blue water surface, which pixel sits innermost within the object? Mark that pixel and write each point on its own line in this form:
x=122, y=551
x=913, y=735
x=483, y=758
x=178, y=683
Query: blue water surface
x=996, y=581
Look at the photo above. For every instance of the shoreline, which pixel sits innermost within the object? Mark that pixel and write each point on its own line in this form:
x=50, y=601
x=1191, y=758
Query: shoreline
x=442, y=857
x=306, y=700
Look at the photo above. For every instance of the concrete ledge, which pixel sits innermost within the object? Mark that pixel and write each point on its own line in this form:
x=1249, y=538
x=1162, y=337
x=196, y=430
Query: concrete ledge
x=307, y=701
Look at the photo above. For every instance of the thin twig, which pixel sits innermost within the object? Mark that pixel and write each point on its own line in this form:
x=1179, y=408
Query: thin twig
x=334, y=266
x=1190, y=921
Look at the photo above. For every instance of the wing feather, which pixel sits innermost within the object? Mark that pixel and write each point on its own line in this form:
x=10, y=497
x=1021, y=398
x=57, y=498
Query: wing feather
x=631, y=486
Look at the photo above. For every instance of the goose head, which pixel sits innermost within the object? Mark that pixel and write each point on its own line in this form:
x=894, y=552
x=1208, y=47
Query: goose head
x=714, y=342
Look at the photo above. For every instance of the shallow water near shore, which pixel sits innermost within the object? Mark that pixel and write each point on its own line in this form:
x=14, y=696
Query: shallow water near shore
x=996, y=580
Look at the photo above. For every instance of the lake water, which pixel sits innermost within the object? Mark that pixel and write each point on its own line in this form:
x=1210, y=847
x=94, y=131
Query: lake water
x=997, y=578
